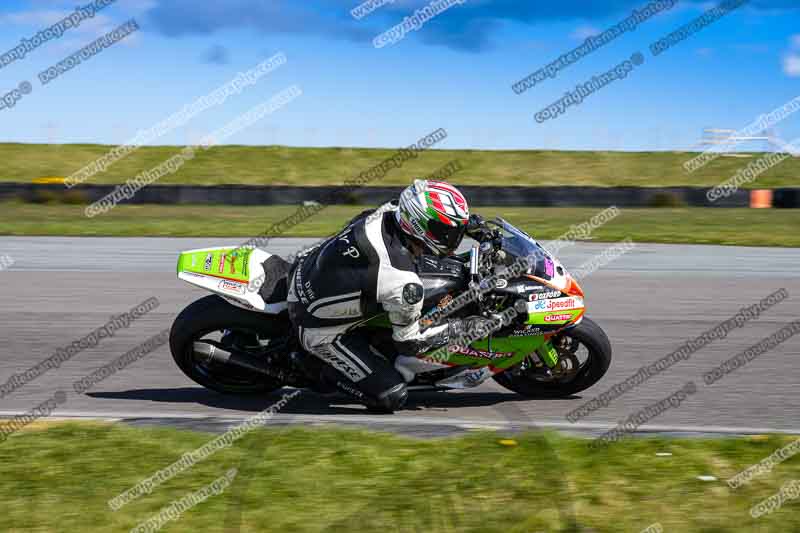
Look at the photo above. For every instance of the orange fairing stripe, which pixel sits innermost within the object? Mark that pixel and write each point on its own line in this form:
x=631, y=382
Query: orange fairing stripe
x=573, y=289
x=543, y=282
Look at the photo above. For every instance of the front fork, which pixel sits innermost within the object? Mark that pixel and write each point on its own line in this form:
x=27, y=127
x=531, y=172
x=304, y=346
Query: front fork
x=548, y=354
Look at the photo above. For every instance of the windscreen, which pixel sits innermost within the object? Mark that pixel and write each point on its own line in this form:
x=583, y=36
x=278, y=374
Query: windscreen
x=519, y=244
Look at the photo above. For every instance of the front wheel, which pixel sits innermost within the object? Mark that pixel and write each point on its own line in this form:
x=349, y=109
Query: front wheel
x=584, y=358
x=215, y=319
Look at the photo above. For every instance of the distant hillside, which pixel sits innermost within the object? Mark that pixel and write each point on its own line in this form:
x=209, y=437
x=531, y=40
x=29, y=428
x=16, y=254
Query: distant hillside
x=325, y=166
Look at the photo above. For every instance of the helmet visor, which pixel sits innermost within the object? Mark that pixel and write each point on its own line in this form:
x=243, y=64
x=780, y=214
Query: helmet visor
x=448, y=237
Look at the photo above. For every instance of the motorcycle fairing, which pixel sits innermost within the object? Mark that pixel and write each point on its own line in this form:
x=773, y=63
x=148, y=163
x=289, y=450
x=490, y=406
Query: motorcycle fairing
x=233, y=273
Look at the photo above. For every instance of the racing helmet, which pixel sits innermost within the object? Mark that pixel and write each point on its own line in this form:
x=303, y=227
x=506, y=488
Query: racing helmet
x=435, y=213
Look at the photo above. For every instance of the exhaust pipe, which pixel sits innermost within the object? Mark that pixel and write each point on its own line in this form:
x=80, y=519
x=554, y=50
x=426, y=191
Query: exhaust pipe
x=208, y=353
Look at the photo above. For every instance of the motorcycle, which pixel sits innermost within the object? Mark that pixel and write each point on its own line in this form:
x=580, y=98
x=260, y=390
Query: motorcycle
x=239, y=340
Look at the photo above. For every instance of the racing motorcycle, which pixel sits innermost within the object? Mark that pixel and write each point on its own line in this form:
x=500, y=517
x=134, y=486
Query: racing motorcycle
x=239, y=340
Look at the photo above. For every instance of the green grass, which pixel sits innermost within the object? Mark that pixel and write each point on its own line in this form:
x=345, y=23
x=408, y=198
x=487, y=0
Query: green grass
x=749, y=227
x=312, y=480
x=332, y=166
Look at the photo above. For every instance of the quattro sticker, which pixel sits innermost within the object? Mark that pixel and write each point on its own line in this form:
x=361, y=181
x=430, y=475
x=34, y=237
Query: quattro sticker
x=557, y=318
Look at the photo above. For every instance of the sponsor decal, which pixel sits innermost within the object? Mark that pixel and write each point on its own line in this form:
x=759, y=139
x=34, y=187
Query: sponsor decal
x=544, y=295
x=308, y=289
x=343, y=366
x=557, y=318
x=350, y=390
x=445, y=301
x=221, y=266
x=540, y=305
x=300, y=292
x=500, y=283
x=564, y=304
x=352, y=252
x=527, y=331
x=232, y=286
x=246, y=263
x=207, y=265
x=472, y=352
x=245, y=255
x=232, y=262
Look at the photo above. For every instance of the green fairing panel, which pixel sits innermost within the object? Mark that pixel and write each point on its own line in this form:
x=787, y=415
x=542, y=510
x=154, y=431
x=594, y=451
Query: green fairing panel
x=517, y=348
x=506, y=352
x=223, y=263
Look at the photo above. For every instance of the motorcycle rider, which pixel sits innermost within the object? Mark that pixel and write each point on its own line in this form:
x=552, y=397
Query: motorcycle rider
x=369, y=268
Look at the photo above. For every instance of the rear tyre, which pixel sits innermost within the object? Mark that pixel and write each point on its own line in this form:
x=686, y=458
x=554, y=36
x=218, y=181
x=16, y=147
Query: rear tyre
x=527, y=380
x=237, y=326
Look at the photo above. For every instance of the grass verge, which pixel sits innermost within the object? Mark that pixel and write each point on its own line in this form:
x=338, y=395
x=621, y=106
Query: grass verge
x=282, y=165
x=748, y=227
x=302, y=480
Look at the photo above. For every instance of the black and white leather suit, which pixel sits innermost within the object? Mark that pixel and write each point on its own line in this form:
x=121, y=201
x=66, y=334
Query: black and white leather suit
x=351, y=277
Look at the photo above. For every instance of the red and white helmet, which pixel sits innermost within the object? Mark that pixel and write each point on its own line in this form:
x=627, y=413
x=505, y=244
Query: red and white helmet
x=434, y=212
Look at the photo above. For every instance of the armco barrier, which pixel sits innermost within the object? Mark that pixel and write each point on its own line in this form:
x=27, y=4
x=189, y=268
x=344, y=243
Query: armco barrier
x=479, y=196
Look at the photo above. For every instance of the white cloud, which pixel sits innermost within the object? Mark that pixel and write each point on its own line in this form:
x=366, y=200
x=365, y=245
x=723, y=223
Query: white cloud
x=128, y=6
x=791, y=65
x=49, y=13
x=582, y=32
x=74, y=38
x=45, y=18
x=791, y=61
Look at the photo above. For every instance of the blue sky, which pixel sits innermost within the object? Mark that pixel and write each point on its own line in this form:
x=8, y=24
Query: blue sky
x=455, y=72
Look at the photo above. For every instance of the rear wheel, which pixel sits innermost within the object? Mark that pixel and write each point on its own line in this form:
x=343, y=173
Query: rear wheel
x=213, y=318
x=584, y=357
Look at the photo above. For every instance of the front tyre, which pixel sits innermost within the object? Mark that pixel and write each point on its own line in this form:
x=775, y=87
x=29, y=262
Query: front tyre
x=213, y=317
x=533, y=381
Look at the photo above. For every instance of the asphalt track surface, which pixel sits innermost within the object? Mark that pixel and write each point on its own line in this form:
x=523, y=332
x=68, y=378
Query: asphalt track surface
x=649, y=301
